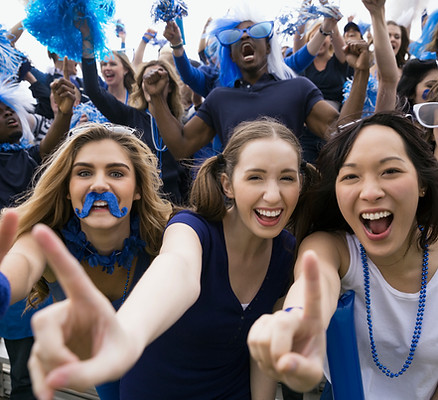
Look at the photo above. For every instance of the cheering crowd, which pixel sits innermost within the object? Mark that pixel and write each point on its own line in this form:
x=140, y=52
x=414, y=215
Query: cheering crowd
x=264, y=216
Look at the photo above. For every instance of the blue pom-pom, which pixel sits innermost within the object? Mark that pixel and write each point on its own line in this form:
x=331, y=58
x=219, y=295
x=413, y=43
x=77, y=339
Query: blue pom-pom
x=308, y=12
x=168, y=10
x=90, y=110
x=10, y=58
x=5, y=294
x=52, y=23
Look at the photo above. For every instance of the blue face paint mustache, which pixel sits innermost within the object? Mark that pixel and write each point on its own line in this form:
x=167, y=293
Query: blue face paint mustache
x=109, y=197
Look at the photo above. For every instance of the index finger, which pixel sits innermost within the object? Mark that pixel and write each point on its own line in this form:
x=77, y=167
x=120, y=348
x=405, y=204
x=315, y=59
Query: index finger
x=64, y=67
x=312, y=289
x=72, y=277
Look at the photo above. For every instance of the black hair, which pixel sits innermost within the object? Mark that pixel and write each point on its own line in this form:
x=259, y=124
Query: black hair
x=322, y=210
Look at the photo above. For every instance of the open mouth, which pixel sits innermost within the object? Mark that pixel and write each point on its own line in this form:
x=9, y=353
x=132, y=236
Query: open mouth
x=268, y=215
x=100, y=205
x=377, y=223
x=247, y=51
x=12, y=122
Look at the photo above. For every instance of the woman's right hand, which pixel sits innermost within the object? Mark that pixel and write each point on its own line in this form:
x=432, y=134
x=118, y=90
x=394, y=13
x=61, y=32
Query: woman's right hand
x=78, y=341
x=290, y=346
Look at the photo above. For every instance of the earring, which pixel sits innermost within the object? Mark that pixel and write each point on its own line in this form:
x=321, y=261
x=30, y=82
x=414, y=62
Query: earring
x=422, y=193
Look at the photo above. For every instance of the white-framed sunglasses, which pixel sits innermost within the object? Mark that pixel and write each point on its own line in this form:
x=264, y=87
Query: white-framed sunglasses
x=427, y=114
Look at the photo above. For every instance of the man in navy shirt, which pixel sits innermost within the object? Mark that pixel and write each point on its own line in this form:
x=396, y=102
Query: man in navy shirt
x=294, y=102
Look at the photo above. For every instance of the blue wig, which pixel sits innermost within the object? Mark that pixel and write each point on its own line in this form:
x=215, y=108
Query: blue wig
x=229, y=71
x=52, y=23
x=419, y=48
x=10, y=58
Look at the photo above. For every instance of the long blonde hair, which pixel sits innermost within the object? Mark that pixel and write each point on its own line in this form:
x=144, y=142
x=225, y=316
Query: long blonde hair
x=48, y=203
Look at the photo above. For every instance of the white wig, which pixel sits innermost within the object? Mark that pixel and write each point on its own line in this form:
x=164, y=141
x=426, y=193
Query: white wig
x=229, y=71
x=18, y=98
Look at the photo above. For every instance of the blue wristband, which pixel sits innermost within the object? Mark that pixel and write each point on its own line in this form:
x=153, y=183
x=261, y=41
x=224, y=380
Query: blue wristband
x=291, y=308
x=5, y=294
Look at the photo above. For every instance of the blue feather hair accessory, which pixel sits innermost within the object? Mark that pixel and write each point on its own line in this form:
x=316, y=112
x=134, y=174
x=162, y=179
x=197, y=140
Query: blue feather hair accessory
x=288, y=25
x=419, y=48
x=10, y=58
x=52, y=23
x=168, y=10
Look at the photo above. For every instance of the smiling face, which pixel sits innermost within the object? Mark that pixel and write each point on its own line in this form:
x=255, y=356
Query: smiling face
x=377, y=190
x=11, y=130
x=395, y=37
x=265, y=185
x=249, y=54
x=113, y=70
x=103, y=166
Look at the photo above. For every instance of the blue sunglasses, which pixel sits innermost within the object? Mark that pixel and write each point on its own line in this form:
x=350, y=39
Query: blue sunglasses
x=256, y=31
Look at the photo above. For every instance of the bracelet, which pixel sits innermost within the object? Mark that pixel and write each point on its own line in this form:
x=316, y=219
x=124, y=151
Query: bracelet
x=291, y=308
x=325, y=33
x=147, y=39
x=5, y=294
x=177, y=46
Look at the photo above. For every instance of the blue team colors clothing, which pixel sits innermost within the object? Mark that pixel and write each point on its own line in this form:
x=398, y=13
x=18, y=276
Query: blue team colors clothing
x=204, y=355
x=18, y=168
x=290, y=101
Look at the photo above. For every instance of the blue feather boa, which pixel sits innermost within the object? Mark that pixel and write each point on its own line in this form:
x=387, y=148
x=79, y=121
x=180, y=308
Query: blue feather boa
x=52, y=23
x=10, y=58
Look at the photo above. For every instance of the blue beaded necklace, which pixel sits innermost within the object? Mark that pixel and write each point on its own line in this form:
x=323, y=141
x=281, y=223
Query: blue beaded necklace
x=419, y=319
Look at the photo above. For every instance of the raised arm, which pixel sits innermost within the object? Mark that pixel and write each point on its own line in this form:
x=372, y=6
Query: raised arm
x=358, y=57
x=85, y=326
x=64, y=95
x=139, y=52
x=182, y=140
x=387, y=70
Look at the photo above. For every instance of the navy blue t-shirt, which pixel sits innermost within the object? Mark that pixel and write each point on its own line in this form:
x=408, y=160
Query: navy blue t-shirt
x=289, y=100
x=204, y=355
x=330, y=80
x=17, y=170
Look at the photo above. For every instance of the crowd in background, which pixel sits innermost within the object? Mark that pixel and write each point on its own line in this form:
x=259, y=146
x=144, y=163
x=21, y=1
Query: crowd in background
x=176, y=145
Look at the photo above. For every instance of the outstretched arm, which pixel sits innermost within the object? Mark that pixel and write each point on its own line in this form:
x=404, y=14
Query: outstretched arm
x=290, y=346
x=21, y=263
x=81, y=341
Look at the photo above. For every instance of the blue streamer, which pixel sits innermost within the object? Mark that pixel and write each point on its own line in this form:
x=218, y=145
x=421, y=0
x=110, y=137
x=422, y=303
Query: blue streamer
x=419, y=48
x=10, y=58
x=168, y=10
x=52, y=23
x=308, y=12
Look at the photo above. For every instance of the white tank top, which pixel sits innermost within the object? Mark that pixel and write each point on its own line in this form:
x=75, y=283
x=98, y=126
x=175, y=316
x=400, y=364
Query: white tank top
x=393, y=316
